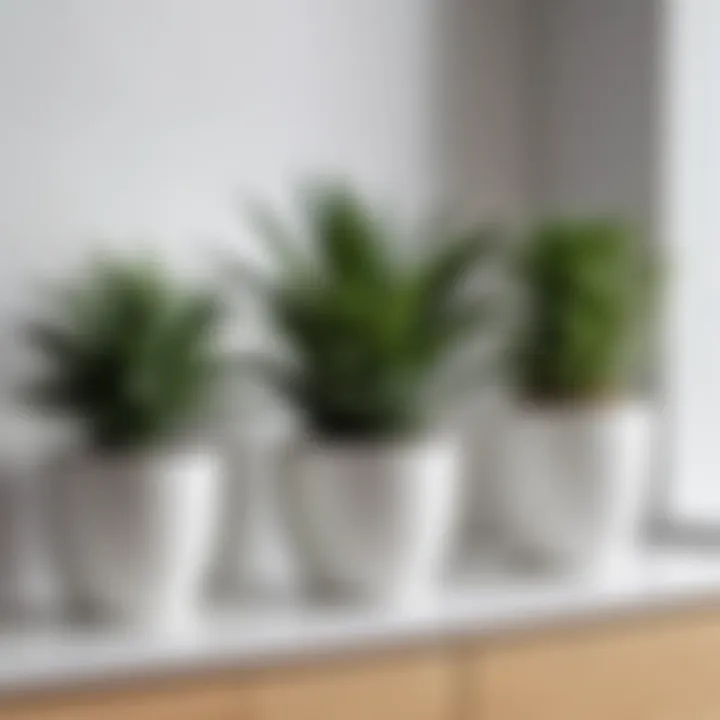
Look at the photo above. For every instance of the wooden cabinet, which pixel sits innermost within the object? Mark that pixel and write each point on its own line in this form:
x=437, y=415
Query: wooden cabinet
x=393, y=687
x=652, y=669
x=408, y=686
x=202, y=698
x=661, y=668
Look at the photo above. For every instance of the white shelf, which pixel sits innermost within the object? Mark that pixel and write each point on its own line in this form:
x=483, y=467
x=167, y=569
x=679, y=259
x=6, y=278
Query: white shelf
x=490, y=604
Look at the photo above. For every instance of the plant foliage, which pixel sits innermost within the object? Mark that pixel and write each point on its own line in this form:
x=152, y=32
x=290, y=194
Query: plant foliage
x=368, y=330
x=588, y=285
x=132, y=354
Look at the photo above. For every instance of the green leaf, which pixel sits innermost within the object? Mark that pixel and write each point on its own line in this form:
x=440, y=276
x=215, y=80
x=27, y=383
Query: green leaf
x=285, y=251
x=368, y=328
x=132, y=355
x=349, y=235
x=586, y=302
x=455, y=260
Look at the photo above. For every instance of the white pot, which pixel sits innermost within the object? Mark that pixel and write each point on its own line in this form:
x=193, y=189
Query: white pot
x=374, y=520
x=143, y=533
x=577, y=483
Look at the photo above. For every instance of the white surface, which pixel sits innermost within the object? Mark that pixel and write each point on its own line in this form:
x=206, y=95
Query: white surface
x=496, y=604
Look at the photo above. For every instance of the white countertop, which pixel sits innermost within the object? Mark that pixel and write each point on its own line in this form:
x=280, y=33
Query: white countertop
x=490, y=603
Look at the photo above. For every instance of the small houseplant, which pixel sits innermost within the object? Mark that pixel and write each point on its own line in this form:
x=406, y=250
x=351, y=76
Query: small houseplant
x=580, y=443
x=372, y=334
x=130, y=357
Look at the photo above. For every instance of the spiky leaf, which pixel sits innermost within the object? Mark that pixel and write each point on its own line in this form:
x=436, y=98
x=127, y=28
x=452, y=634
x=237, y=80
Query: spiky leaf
x=370, y=330
x=133, y=357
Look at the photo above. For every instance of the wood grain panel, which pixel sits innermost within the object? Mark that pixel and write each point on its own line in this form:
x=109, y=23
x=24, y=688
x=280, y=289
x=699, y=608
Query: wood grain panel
x=651, y=669
x=396, y=687
x=207, y=698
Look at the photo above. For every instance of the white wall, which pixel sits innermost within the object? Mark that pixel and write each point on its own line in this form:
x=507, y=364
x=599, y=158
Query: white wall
x=140, y=117
x=137, y=120
x=692, y=222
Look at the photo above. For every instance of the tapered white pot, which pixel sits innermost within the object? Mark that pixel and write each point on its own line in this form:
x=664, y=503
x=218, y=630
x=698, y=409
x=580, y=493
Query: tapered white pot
x=577, y=482
x=143, y=531
x=373, y=520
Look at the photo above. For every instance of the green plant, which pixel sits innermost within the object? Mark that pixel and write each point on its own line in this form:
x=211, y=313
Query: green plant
x=588, y=285
x=369, y=329
x=130, y=353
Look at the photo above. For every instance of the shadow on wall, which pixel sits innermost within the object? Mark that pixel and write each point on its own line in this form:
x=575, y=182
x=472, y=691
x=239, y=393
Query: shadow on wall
x=483, y=87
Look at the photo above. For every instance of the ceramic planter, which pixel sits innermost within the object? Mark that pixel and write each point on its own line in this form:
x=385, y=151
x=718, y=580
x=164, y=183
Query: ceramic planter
x=143, y=531
x=577, y=482
x=373, y=520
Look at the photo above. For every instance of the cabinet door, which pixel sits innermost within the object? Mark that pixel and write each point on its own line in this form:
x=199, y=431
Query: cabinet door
x=419, y=686
x=663, y=669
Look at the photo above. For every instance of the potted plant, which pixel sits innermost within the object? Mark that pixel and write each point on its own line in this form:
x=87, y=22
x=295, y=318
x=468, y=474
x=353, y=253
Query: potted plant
x=130, y=356
x=374, y=336
x=579, y=446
